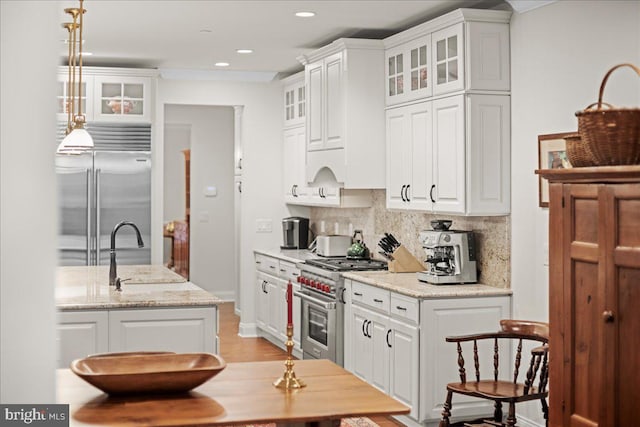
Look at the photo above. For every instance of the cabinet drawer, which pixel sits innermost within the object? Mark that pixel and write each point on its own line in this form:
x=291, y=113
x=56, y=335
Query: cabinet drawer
x=371, y=296
x=405, y=308
x=288, y=271
x=267, y=264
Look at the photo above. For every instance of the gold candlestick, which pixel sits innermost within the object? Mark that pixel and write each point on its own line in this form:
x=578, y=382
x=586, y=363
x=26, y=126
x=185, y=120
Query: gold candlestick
x=288, y=381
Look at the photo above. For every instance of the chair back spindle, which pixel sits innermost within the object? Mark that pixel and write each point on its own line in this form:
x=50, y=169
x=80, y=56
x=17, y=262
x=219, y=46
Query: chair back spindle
x=463, y=374
x=476, y=360
x=518, y=359
x=496, y=359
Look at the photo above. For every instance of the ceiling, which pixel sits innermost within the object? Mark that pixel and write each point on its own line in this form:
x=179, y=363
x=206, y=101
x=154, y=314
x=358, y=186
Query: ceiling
x=194, y=35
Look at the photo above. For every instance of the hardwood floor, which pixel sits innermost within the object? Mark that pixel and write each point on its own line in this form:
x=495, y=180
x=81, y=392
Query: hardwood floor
x=236, y=349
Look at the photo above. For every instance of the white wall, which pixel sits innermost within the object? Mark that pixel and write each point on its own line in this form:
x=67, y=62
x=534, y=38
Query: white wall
x=212, y=245
x=30, y=45
x=559, y=56
x=262, y=164
x=177, y=137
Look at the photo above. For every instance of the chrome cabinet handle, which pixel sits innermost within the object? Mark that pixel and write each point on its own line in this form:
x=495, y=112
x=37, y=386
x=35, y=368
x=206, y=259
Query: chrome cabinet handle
x=402, y=193
x=406, y=193
x=368, y=324
x=377, y=300
x=388, y=343
x=358, y=294
x=433, y=187
x=401, y=308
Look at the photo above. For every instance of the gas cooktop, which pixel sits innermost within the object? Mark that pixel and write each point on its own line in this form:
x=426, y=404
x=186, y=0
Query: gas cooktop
x=347, y=264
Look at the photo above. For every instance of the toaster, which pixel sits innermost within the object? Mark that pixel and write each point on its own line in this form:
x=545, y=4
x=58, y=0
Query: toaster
x=332, y=246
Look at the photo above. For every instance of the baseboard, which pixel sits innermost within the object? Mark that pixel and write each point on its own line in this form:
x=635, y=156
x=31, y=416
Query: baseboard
x=526, y=422
x=248, y=330
x=225, y=296
x=237, y=311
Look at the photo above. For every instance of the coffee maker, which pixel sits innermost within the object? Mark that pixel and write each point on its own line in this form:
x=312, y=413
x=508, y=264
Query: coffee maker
x=295, y=233
x=451, y=256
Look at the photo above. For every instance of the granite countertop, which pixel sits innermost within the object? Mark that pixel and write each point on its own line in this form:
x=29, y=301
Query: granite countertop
x=292, y=255
x=408, y=284
x=87, y=288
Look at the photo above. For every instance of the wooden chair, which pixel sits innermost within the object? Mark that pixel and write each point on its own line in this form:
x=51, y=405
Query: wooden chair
x=501, y=391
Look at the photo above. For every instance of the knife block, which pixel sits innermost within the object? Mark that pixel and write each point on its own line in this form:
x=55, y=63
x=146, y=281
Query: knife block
x=404, y=262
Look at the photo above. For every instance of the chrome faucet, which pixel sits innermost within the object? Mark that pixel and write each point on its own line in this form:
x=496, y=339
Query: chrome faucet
x=112, y=265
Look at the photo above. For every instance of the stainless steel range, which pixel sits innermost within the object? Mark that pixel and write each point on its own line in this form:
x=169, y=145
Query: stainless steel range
x=322, y=295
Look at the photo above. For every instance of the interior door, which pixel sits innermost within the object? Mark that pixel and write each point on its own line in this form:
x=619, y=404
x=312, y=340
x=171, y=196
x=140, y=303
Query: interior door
x=73, y=174
x=123, y=193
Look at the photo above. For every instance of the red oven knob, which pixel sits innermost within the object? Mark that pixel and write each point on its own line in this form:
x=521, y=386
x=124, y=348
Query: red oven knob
x=326, y=288
x=312, y=283
x=299, y=279
x=305, y=280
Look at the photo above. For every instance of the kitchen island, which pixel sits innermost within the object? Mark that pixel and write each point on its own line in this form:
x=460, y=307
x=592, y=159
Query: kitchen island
x=156, y=310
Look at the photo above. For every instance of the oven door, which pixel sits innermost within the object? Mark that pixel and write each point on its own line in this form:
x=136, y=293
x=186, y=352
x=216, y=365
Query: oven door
x=318, y=335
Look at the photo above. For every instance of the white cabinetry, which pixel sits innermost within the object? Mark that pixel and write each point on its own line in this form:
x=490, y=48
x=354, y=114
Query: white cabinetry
x=464, y=50
x=440, y=318
x=383, y=343
x=294, y=153
x=81, y=333
x=178, y=329
x=185, y=330
x=111, y=94
x=345, y=86
x=273, y=276
x=450, y=155
x=409, y=156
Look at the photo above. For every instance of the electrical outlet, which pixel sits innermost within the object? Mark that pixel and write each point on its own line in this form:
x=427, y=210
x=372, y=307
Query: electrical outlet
x=322, y=227
x=264, y=226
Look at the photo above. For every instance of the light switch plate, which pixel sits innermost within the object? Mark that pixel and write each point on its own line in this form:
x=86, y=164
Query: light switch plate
x=210, y=191
x=264, y=226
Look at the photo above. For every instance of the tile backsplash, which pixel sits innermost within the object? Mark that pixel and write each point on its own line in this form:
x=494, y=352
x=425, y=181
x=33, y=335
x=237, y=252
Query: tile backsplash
x=493, y=233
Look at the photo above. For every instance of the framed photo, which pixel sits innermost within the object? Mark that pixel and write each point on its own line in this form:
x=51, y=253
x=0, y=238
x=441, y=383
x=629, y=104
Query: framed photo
x=552, y=154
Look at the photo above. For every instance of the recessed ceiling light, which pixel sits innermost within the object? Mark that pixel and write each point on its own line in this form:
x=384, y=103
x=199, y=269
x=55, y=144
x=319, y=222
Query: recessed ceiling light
x=305, y=14
x=221, y=64
x=87, y=53
x=244, y=50
x=205, y=31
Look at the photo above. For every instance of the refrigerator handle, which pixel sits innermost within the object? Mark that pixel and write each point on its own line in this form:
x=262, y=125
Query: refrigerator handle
x=88, y=171
x=97, y=237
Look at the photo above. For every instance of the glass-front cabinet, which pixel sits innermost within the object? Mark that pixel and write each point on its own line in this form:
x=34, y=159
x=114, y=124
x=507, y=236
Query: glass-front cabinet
x=66, y=93
x=295, y=101
x=408, y=71
x=122, y=97
x=448, y=59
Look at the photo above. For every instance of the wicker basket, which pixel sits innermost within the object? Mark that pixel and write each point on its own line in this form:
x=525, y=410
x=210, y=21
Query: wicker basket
x=612, y=135
x=578, y=153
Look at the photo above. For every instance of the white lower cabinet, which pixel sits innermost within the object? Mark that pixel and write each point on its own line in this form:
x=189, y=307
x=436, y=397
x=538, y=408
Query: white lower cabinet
x=82, y=333
x=440, y=318
x=384, y=351
x=182, y=330
x=397, y=344
x=272, y=277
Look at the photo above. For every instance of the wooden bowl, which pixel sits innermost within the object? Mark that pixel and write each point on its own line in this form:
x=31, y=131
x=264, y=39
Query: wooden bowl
x=148, y=373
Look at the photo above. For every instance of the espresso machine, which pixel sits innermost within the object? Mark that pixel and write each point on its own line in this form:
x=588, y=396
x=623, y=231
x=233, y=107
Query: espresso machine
x=451, y=256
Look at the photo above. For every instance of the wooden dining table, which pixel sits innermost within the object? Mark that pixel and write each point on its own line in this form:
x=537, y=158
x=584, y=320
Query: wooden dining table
x=242, y=394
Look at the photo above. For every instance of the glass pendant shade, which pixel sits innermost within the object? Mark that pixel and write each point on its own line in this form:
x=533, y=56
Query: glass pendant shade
x=76, y=142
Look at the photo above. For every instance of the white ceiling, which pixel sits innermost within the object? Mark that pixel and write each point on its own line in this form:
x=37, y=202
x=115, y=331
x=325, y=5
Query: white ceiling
x=168, y=34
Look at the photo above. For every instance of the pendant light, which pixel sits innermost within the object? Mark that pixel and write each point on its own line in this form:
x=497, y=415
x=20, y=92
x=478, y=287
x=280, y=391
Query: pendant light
x=77, y=139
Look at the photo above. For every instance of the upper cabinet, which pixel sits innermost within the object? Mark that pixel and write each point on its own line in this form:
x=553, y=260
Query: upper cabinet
x=295, y=107
x=345, y=113
x=111, y=94
x=467, y=49
x=448, y=115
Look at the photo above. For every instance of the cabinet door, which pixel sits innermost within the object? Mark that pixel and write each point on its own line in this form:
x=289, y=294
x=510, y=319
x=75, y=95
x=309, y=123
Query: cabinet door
x=404, y=376
x=295, y=185
x=448, y=59
x=274, y=295
x=294, y=104
x=361, y=344
x=64, y=96
x=395, y=59
x=334, y=93
x=80, y=334
x=398, y=157
x=448, y=188
x=489, y=151
x=122, y=98
x=420, y=131
x=418, y=68
x=314, y=74
x=438, y=358
x=262, y=302
x=182, y=330
x=380, y=334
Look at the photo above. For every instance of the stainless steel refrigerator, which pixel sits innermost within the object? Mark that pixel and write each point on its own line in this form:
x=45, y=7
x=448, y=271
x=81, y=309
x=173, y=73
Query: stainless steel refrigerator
x=99, y=189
